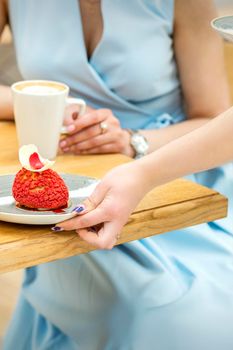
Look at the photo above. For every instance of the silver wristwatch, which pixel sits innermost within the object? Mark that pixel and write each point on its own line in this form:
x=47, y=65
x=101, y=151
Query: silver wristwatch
x=139, y=143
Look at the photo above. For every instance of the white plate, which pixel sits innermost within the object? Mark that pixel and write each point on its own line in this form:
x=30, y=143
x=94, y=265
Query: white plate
x=224, y=25
x=80, y=187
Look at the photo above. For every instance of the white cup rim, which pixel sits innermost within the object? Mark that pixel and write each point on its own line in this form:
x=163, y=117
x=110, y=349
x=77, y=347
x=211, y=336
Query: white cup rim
x=38, y=81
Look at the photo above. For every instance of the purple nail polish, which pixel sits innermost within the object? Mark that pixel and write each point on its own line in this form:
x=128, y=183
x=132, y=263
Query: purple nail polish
x=79, y=208
x=57, y=229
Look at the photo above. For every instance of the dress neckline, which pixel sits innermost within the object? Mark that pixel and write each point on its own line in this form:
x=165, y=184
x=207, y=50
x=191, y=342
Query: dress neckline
x=99, y=44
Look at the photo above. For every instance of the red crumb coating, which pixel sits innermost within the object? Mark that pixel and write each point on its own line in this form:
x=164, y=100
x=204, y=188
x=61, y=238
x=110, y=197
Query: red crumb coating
x=45, y=190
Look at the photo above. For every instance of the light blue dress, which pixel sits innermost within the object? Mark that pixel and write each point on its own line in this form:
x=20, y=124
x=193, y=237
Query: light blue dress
x=167, y=292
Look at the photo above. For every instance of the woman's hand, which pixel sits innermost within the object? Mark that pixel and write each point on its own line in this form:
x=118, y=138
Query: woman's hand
x=97, y=131
x=107, y=210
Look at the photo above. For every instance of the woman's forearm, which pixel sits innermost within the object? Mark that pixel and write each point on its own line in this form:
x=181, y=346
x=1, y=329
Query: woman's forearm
x=6, y=104
x=204, y=148
x=160, y=137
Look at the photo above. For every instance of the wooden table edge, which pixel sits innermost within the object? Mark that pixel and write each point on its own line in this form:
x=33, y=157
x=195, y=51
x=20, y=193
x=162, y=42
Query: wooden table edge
x=152, y=222
x=213, y=194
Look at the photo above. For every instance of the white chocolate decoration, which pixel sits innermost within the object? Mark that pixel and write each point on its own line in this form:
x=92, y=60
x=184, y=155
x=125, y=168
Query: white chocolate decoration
x=30, y=159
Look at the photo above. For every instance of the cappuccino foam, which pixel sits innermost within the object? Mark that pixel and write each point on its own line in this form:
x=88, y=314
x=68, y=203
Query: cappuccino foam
x=40, y=90
x=40, y=87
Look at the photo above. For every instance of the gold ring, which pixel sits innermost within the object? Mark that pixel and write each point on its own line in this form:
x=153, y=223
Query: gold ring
x=103, y=127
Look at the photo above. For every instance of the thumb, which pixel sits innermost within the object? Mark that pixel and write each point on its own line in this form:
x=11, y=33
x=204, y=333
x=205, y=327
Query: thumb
x=93, y=200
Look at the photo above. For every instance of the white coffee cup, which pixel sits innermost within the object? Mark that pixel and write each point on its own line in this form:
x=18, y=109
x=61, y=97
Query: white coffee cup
x=39, y=107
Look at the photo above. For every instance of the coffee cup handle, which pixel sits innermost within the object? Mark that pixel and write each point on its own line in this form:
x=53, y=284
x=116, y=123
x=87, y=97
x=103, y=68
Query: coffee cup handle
x=82, y=108
x=78, y=101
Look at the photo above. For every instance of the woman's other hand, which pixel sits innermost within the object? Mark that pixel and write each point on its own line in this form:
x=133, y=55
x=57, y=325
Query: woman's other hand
x=101, y=217
x=97, y=131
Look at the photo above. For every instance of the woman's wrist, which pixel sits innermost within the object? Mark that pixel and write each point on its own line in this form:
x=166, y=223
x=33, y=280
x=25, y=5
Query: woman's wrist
x=140, y=174
x=150, y=170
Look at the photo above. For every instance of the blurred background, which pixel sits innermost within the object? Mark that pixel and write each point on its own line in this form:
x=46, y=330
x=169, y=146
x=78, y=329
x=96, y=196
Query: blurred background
x=10, y=282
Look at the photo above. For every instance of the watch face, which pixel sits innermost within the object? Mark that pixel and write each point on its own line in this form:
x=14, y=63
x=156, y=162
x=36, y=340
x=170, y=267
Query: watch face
x=140, y=144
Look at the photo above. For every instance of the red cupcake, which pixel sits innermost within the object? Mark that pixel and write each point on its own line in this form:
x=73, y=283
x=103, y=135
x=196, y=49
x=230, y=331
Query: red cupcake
x=35, y=185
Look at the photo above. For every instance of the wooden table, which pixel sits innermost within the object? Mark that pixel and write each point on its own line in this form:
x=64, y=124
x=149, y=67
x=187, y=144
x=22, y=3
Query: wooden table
x=178, y=204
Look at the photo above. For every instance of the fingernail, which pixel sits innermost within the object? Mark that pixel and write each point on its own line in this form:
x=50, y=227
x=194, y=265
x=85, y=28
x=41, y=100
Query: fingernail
x=57, y=229
x=79, y=208
x=66, y=149
x=75, y=115
x=70, y=128
x=63, y=143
